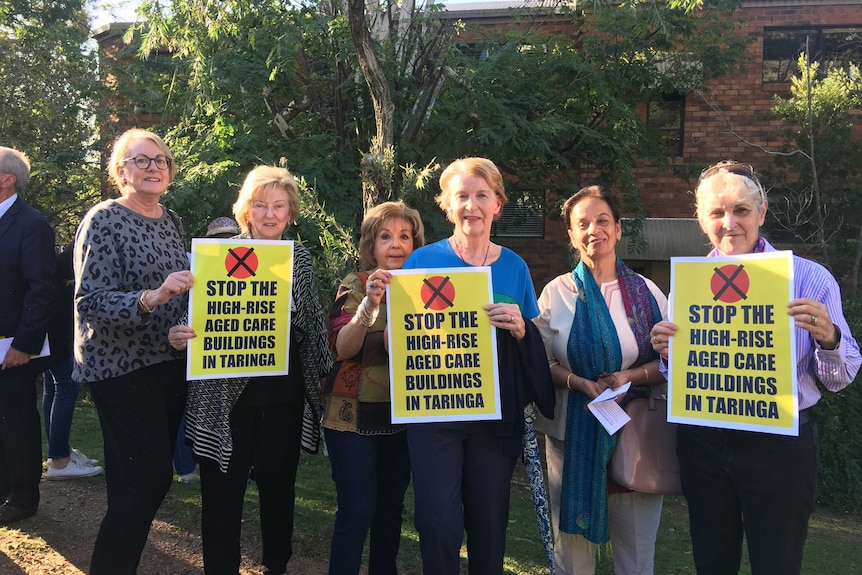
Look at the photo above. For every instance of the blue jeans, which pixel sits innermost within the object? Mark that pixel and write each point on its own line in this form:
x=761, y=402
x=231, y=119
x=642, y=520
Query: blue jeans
x=59, y=395
x=371, y=475
x=183, y=459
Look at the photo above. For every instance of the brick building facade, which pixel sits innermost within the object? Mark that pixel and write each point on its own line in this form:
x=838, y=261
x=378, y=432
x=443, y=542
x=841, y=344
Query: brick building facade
x=730, y=120
x=740, y=104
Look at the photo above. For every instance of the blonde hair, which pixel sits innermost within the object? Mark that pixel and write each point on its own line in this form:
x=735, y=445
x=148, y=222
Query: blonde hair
x=258, y=183
x=121, y=149
x=482, y=167
x=375, y=218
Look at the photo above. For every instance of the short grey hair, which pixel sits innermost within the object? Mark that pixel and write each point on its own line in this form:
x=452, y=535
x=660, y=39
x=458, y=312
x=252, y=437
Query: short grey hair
x=725, y=174
x=15, y=163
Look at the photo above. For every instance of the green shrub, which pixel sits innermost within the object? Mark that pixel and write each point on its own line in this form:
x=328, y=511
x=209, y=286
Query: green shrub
x=838, y=418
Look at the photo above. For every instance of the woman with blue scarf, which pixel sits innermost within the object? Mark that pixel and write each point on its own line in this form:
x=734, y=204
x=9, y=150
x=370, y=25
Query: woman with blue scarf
x=595, y=323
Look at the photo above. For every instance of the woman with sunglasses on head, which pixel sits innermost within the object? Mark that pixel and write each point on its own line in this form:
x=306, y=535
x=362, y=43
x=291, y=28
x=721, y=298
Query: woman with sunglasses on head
x=131, y=278
x=758, y=484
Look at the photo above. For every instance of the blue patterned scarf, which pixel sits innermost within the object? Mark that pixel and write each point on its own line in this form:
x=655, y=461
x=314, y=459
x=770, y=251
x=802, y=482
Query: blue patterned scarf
x=594, y=348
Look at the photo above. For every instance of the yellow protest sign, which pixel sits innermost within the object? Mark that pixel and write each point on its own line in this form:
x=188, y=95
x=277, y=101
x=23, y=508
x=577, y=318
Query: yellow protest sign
x=239, y=308
x=733, y=360
x=442, y=346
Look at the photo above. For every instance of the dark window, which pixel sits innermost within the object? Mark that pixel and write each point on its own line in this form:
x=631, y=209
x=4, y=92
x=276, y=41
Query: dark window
x=520, y=220
x=666, y=116
x=474, y=51
x=829, y=46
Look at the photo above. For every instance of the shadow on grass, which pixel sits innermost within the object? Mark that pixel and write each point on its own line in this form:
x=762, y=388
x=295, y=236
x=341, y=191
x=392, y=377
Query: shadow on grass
x=71, y=511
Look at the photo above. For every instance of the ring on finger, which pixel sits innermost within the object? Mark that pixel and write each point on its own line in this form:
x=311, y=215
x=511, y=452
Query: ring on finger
x=813, y=320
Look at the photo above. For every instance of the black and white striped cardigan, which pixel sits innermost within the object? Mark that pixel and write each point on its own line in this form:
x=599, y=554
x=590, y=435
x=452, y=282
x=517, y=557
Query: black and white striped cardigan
x=210, y=401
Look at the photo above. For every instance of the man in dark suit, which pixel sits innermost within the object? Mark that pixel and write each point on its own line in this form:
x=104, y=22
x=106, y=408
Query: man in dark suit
x=27, y=291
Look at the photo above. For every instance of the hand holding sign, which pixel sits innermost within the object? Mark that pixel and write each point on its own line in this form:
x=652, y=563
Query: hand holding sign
x=659, y=336
x=813, y=317
x=375, y=287
x=507, y=316
x=179, y=336
x=174, y=285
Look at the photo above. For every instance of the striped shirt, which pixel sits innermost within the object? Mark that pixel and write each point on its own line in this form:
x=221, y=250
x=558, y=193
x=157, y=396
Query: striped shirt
x=835, y=368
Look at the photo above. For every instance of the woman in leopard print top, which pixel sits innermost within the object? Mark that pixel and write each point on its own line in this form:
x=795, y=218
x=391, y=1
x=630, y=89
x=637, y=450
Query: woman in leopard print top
x=131, y=278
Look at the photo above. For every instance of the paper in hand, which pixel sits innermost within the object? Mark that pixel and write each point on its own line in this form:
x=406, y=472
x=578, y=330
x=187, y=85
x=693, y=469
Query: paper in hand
x=607, y=411
x=6, y=343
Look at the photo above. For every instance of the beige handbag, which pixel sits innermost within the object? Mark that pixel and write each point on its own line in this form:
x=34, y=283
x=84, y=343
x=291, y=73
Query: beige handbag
x=644, y=458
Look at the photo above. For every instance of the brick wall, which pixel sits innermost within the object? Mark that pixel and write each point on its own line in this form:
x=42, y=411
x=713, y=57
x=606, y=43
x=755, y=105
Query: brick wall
x=744, y=99
x=744, y=102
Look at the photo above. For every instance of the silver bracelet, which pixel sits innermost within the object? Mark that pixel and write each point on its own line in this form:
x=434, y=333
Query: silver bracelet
x=366, y=318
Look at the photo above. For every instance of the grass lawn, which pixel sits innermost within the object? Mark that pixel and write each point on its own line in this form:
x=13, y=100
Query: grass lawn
x=834, y=542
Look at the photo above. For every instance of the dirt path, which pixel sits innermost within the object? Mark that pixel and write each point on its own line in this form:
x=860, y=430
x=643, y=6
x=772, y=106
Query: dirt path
x=58, y=540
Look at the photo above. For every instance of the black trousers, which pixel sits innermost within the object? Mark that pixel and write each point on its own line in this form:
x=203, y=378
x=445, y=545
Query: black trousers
x=140, y=414
x=267, y=437
x=758, y=484
x=20, y=437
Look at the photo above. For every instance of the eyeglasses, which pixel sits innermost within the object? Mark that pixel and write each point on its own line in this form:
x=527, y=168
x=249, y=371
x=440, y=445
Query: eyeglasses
x=736, y=168
x=143, y=162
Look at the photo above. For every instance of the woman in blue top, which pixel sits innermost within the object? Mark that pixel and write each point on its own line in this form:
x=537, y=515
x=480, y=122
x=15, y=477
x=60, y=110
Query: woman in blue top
x=462, y=470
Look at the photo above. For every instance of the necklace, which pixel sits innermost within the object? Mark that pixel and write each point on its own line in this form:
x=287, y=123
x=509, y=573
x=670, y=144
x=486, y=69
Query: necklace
x=460, y=255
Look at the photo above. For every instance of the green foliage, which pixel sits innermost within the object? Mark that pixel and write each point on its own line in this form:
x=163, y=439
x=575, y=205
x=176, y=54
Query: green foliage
x=48, y=87
x=250, y=83
x=820, y=203
x=547, y=107
x=333, y=245
x=841, y=437
x=820, y=200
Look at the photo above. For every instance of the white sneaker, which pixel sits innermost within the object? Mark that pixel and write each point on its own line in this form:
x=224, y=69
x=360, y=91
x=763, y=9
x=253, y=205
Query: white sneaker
x=189, y=478
x=81, y=458
x=74, y=470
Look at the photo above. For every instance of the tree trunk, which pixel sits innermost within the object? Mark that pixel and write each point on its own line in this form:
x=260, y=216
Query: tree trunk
x=815, y=182
x=379, y=163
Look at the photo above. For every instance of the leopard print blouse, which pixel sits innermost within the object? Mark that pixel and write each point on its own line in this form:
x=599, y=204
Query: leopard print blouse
x=119, y=253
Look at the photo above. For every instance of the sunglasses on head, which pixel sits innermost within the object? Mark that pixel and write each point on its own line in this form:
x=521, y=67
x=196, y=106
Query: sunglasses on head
x=736, y=168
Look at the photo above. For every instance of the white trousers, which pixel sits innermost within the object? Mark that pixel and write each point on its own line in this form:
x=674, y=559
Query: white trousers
x=634, y=519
